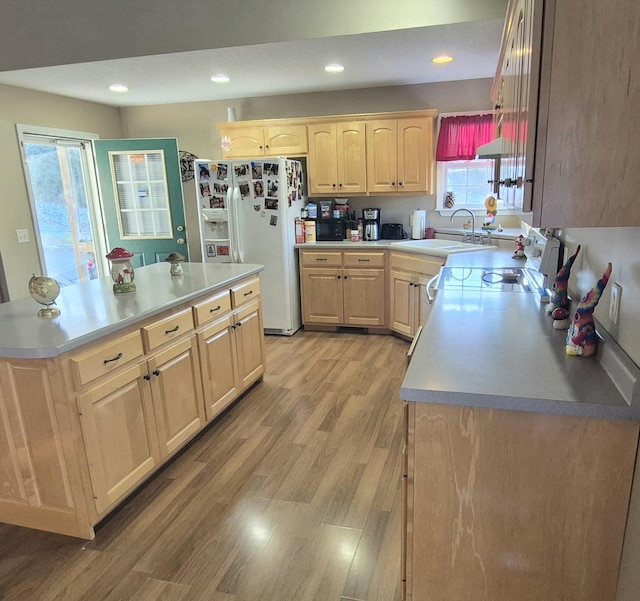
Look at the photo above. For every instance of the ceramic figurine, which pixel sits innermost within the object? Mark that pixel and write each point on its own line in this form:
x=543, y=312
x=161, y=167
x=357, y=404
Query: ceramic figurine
x=491, y=204
x=560, y=303
x=582, y=338
x=519, y=252
x=450, y=200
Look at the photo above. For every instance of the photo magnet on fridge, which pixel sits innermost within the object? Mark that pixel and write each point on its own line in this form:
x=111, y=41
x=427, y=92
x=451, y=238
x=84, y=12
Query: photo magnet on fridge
x=273, y=220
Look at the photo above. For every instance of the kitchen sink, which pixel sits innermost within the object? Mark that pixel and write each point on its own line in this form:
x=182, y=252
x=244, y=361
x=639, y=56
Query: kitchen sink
x=438, y=247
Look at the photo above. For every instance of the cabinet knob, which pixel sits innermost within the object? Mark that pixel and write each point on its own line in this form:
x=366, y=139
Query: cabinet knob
x=172, y=331
x=339, y=185
x=338, y=276
x=393, y=183
x=334, y=185
x=156, y=372
x=399, y=183
x=260, y=147
x=147, y=377
x=345, y=277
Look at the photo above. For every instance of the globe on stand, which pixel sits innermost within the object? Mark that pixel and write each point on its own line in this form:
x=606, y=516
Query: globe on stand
x=45, y=291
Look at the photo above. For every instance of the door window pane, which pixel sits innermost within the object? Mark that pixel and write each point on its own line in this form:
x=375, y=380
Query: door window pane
x=59, y=190
x=142, y=194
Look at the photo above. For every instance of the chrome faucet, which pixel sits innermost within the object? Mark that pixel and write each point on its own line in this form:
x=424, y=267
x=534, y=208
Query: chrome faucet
x=473, y=225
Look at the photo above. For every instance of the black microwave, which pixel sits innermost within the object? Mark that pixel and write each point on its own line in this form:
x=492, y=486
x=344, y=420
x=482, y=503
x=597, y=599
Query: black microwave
x=330, y=229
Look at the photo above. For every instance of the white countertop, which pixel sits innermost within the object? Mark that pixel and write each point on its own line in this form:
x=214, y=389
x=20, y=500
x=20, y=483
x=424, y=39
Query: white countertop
x=499, y=350
x=91, y=310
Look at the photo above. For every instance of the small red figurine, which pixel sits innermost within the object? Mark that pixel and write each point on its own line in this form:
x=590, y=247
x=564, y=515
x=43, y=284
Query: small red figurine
x=519, y=253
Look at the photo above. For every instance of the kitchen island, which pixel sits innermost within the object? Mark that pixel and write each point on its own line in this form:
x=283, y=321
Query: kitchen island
x=520, y=458
x=94, y=401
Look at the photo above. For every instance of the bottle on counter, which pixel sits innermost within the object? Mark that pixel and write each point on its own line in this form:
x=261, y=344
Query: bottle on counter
x=360, y=229
x=309, y=231
x=299, y=231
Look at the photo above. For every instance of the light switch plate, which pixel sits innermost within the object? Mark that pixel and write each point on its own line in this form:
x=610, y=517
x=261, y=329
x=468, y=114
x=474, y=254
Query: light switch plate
x=23, y=236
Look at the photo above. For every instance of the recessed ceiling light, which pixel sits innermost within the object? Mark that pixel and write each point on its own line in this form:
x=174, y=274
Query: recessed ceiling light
x=443, y=58
x=220, y=78
x=118, y=87
x=334, y=68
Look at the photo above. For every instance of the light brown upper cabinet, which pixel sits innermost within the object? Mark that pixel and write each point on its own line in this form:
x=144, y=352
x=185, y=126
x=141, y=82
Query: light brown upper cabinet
x=399, y=155
x=337, y=158
x=251, y=141
x=567, y=90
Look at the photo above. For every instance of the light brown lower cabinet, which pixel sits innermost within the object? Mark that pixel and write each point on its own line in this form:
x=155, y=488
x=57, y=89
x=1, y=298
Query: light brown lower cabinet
x=503, y=505
x=408, y=298
x=81, y=431
x=343, y=288
x=232, y=355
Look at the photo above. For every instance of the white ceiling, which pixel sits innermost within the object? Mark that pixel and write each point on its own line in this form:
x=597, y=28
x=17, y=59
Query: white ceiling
x=387, y=58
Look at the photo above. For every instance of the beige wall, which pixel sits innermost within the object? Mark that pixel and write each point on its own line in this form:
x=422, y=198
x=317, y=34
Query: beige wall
x=47, y=110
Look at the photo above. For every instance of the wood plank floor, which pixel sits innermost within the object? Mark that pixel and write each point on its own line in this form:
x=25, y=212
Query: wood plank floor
x=293, y=494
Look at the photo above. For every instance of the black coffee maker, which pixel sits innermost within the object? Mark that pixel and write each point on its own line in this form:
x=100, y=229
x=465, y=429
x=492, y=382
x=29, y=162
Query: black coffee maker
x=371, y=224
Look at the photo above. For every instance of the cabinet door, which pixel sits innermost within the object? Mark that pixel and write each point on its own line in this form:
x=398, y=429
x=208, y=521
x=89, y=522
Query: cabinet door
x=351, y=157
x=364, y=294
x=249, y=334
x=402, y=303
x=119, y=430
x=245, y=142
x=177, y=394
x=587, y=168
x=382, y=156
x=415, y=139
x=322, y=297
x=285, y=140
x=323, y=159
x=217, y=346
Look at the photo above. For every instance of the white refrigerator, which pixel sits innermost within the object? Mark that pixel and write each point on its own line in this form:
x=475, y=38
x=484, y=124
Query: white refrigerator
x=248, y=209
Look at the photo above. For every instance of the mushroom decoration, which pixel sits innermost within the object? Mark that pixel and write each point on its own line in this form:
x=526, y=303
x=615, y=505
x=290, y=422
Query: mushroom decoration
x=121, y=270
x=175, y=259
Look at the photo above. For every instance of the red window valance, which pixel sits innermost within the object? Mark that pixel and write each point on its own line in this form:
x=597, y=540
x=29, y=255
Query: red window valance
x=460, y=135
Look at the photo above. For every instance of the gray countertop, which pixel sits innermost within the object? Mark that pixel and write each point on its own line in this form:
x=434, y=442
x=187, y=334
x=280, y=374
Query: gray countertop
x=499, y=350
x=91, y=310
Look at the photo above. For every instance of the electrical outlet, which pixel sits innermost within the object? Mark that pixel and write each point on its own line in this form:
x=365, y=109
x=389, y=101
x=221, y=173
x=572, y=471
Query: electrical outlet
x=614, y=305
x=23, y=236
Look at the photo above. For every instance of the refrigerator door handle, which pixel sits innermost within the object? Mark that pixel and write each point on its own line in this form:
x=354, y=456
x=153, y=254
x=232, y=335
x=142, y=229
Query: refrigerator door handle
x=234, y=231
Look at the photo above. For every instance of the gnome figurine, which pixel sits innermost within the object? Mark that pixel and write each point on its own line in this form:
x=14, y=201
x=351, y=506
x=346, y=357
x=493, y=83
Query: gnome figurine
x=559, y=304
x=582, y=338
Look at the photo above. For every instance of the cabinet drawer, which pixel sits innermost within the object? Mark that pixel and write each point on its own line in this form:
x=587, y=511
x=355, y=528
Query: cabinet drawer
x=244, y=292
x=322, y=259
x=417, y=263
x=103, y=359
x=363, y=259
x=212, y=308
x=167, y=329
